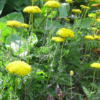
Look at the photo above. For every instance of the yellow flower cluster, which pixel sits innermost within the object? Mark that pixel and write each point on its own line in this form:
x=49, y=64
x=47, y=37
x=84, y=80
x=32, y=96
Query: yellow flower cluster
x=13, y=23
x=92, y=0
x=48, y=0
x=92, y=37
x=69, y=1
x=65, y=32
x=98, y=20
x=98, y=12
x=84, y=7
x=19, y=67
x=76, y=11
x=95, y=65
x=32, y=9
x=52, y=4
x=94, y=28
x=67, y=19
x=57, y=39
x=91, y=15
x=71, y=73
x=97, y=37
x=89, y=37
x=25, y=25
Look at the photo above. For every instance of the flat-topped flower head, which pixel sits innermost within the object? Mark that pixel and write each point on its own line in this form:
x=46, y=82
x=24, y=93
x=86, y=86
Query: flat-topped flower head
x=69, y=1
x=25, y=25
x=13, y=23
x=48, y=0
x=96, y=37
x=89, y=37
x=84, y=7
x=98, y=12
x=91, y=15
x=92, y=0
x=77, y=11
x=58, y=39
x=94, y=28
x=65, y=32
x=19, y=67
x=95, y=65
x=32, y=9
x=52, y=4
x=98, y=20
x=67, y=19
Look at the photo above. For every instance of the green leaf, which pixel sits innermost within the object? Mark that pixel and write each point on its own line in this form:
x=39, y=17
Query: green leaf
x=2, y=3
x=64, y=9
x=86, y=91
x=15, y=42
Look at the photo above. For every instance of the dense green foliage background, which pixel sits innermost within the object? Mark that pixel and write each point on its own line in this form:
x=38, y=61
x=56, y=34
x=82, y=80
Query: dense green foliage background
x=74, y=57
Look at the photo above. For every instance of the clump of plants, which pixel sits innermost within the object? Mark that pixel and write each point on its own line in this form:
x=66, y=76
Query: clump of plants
x=47, y=50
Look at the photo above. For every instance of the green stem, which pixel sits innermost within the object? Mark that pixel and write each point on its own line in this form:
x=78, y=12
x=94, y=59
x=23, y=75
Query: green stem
x=31, y=21
x=52, y=62
x=71, y=85
x=93, y=84
x=16, y=87
x=11, y=37
x=49, y=40
x=61, y=57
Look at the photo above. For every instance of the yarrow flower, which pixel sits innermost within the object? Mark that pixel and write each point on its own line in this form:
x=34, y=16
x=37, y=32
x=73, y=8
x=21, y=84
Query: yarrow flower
x=48, y=0
x=71, y=73
x=32, y=9
x=19, y=67
x=96, y=37
x=65, y=32
x=98, y=20
x=57, y=39
x=13, y=23
x=76, y=11
x=69, y=1
x=84, y=7
x=89, y=37
x=94, y=28
x=98, y=12
x=25, y=25
x=67, y=19
x=95, y=65
x=92, y=0
x=91, y=15
x=52, y=4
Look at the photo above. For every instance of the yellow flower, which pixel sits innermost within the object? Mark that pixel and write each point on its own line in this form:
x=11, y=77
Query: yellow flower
x=57, y=39
x=87, y=55
x=96, y=37
x=48, y=0
x=95, y=65
x=94, y=28
x=69, y=1
x=71, y=73
x=25, y=25
x=89, y=37
x=32, y=9
x=84, y=7
x=92, y=0
x=67, y=19
x=65, y=32
x=13, y=23
x=52, y=4
x=98, y=12
x=98, y=20
x=19, y=67
x=76, y=11
x=91, y=15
